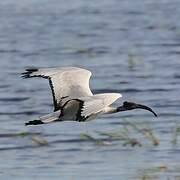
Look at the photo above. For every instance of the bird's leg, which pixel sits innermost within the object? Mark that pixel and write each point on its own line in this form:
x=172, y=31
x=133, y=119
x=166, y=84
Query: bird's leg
x=130, y=106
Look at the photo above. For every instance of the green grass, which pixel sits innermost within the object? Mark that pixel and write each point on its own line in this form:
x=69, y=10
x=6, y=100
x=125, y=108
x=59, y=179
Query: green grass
x=175, y=134
x=130, y=134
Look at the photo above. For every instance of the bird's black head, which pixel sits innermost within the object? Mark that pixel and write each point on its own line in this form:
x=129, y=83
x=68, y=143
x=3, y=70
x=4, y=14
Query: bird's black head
x=131, y=105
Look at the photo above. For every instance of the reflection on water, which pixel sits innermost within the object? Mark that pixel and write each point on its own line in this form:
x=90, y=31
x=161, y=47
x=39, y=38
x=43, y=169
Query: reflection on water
x=130, y=47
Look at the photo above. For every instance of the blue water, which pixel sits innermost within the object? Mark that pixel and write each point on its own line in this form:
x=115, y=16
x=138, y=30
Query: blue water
x=131, y=47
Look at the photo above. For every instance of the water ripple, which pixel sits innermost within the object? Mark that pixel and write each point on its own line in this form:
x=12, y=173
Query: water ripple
x=14, y=99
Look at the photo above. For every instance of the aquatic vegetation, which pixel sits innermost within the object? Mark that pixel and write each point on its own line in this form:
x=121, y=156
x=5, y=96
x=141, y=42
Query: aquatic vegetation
x=18, y=134
x=147, y=177
x=101, y=142
x=175, y=134
x=129, y=134
x=89, y=51
x=133, y=142
x=122, y=135
x=134, y=61
x=147, y=132
x=152, y=173
x=39, y=140
x=158, y=172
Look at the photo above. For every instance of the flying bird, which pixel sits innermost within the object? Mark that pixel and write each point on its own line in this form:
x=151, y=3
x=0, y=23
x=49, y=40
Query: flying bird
x=73, y=99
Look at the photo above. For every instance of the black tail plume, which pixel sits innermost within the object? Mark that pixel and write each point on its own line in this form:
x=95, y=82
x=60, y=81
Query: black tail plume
x=34, y=122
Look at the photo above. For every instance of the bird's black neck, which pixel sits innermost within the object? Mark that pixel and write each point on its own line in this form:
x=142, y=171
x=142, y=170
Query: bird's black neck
x=120, y=109
x=130, y=106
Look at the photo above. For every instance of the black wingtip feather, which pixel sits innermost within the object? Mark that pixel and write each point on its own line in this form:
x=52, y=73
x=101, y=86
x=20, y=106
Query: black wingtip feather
x=28, y=72
x=34, y=122
x=23, y=75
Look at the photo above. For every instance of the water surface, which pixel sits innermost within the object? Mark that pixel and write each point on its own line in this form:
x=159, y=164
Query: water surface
x=131, y=47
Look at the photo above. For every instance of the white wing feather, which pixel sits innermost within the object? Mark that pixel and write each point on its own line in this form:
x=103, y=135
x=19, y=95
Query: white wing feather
x=50, y=117
x=97, y=103
x=66, y=82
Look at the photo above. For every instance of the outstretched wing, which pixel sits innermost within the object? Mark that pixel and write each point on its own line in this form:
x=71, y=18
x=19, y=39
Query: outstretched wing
x=91, y=105
x=97, y=103
x=66, y=83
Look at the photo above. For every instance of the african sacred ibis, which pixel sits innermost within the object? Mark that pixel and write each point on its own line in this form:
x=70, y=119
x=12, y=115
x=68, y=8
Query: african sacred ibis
x=72, y=97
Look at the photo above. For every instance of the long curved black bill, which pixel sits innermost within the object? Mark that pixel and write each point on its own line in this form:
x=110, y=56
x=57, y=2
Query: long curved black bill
x=140, y=106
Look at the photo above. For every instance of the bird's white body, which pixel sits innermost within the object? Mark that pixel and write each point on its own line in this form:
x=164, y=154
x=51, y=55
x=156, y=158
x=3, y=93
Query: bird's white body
x=73, y=99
